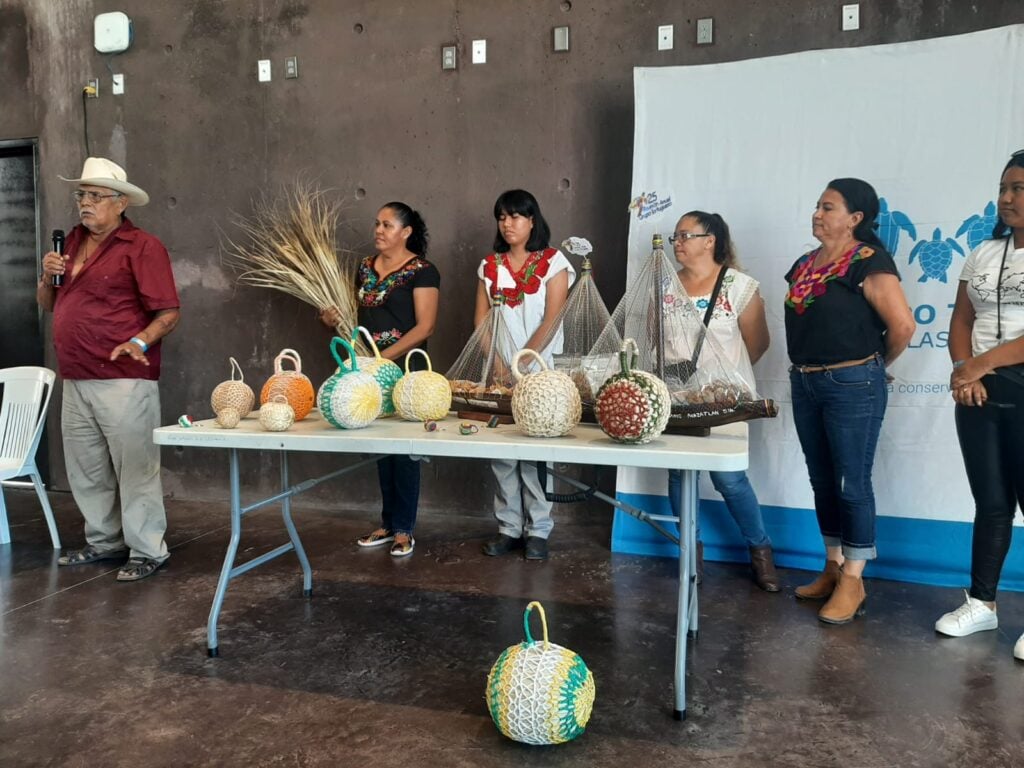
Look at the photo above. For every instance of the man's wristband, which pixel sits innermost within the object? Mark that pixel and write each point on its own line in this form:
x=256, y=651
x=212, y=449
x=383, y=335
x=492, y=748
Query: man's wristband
x=140, y=342
x=958, y=363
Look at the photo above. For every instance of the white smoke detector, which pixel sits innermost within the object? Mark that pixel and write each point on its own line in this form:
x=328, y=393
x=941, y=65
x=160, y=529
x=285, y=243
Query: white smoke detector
x=112, y=32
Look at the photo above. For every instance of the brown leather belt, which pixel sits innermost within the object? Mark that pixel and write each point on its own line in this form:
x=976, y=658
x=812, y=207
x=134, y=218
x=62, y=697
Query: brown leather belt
x=832, y=366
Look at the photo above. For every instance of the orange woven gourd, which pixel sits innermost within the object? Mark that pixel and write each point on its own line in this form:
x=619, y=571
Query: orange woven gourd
x=295, y=386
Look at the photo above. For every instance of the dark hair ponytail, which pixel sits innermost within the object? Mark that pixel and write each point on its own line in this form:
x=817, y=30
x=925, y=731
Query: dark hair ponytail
x=418, y=240
x=1002, y=229
x=860, y=197
x=725, y=251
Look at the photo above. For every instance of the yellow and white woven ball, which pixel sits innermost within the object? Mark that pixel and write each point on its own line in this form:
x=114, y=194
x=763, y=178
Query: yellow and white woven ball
x=233, y=394
x=546, y=403
x=422, y=395
x=539, y=692
x=350, y=399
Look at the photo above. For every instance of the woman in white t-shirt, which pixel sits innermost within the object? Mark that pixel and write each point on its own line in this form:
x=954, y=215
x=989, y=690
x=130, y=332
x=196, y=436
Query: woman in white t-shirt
x=986, y=343
x=531, y=281
x=703, y=247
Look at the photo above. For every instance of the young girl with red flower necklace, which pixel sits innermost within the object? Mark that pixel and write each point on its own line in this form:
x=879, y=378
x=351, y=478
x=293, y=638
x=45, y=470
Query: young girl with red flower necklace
x=531, y=281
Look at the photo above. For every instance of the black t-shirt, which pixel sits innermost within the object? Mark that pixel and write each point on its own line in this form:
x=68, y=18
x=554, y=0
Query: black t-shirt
x=386, y=307
x=828, y=320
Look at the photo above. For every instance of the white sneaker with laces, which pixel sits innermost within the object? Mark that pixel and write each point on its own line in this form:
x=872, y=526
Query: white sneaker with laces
x=973, y=616
x=1018, y=649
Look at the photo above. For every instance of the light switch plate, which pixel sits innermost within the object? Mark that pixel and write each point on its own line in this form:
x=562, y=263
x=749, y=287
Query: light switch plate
x=561, y=39
x=479, y=51
x=117, y=85
x=851, y=17
x=263, y=70
x=665, y=37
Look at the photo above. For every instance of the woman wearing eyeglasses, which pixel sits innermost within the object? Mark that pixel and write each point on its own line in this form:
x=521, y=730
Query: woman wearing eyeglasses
x=703, y=248
x=986, y=342
x=846, y=320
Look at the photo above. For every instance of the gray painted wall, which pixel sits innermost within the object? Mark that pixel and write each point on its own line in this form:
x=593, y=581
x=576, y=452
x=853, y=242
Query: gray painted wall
x=373, y=112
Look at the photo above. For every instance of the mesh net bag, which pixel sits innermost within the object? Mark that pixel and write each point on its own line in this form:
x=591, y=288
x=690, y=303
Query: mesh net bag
x=539, y=692
x=481, y=377
x=545, y=403
x=580, y=323
x=673, y=343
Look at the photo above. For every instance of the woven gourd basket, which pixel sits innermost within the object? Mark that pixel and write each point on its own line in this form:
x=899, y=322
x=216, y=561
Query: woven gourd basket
x=540, y=693
x=386, y=372
x=350, y=399
x=236, y=395
x=632, y=406
x=277, y=415
x=546, y=403
x=422, y=395
x=294, y=385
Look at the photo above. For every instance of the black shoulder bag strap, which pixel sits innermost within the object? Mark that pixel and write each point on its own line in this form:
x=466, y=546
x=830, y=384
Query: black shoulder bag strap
x=707, y=316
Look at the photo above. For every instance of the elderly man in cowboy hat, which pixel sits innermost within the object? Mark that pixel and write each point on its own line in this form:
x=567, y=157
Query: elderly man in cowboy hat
x=117, y=301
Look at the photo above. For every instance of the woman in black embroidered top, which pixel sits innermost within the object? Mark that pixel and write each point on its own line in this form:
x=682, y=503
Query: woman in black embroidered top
x=398, y=293
x=846, y=319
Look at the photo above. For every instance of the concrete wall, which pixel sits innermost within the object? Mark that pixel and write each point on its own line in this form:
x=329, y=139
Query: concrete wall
x=373, y=116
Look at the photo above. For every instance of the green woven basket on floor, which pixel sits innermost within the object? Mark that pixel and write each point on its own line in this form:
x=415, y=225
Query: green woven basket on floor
x=539, y=692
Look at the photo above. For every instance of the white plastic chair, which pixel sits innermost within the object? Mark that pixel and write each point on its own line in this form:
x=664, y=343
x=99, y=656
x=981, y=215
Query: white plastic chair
x=26, y=396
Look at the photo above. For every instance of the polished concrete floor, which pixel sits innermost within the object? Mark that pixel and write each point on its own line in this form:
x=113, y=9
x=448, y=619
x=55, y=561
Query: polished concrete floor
x=385, y=665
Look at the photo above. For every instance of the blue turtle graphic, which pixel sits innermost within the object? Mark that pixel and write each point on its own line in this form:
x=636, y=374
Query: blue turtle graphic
x=979, y=226
x=935, y=256
x=889, y=225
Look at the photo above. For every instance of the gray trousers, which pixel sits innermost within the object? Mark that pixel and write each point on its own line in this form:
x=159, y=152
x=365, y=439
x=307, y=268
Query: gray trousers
x=519, y=490
x=108, y=447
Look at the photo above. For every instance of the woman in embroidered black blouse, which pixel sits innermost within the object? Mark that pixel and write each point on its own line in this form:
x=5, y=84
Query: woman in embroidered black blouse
x=846, y=319
x=398, y=294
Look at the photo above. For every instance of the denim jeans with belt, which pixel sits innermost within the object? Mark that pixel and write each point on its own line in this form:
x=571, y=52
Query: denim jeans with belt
x=740, y=500
x=838, y=415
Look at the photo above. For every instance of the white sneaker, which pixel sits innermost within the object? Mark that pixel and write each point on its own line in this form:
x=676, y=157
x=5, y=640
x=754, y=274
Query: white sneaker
x=1018, y=649
x=973, y=616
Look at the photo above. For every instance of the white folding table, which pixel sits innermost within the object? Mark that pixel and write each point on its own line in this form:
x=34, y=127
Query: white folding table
x=724, y=449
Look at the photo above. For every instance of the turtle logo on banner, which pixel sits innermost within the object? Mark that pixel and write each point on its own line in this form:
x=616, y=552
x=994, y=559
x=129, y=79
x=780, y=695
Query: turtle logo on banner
x=935, y=256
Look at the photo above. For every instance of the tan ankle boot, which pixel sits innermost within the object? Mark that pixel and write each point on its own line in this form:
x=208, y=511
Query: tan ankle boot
x=847, y=601
x=821, y=587
x=763, y=566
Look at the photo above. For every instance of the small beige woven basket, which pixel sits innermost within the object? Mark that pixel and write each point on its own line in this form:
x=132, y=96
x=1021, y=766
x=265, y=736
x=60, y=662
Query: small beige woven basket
x=277, y=415
x=546, y=403
x=236, y=395
x=422, y=395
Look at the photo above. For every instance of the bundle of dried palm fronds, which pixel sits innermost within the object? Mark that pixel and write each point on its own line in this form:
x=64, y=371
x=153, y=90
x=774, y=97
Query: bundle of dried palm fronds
x=292, y=249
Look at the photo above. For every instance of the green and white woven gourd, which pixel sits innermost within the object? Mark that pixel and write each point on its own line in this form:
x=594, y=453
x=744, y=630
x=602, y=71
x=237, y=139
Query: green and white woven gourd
x=350, y=399
x=422, y=395
x=386, y=372
x=545, y=403
x=540, y=693
x=632, y=406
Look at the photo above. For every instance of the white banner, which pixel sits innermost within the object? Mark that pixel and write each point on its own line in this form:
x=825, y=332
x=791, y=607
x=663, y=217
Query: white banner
x=930, y=124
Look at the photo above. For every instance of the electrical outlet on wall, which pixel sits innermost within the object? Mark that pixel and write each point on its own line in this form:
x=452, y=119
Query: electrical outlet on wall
x=665, y=37
x=704, y=31
x=851, y=17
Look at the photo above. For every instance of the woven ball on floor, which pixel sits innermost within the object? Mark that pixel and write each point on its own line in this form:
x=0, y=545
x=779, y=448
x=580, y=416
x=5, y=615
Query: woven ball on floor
x=233, y=394
x=422, y=395
x=350, y=399
x=632, y=406
x=277, y=415
x=545, y=403
x=294, y=385
x=539, y=692
x=386, y=372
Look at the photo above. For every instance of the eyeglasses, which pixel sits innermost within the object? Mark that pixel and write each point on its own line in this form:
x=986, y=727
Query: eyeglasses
x=92, y=197
x=684, y=236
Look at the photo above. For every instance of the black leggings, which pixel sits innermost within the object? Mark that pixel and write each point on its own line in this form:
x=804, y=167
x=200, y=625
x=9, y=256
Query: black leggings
x=992, y=443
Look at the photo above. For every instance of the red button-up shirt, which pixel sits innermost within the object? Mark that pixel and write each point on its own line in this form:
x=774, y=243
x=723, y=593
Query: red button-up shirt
x=114, y=296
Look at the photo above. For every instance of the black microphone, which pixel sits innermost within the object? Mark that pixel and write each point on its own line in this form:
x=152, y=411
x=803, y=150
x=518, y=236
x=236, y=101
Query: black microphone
x=58, y=245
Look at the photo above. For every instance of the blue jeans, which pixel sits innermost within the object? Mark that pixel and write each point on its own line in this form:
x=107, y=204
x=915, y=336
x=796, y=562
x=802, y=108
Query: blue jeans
x=740, y=500
x=400, y=492
x=838, y=415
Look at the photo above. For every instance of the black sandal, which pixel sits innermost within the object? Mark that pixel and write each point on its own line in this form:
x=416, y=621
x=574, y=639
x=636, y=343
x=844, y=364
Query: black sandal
x=89, y=554
x=138, y=568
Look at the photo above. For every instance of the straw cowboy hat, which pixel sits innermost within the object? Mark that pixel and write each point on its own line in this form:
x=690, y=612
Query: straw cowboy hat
x=100, y=172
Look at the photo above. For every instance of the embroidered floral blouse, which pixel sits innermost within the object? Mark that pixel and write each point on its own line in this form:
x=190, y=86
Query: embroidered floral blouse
x=386, y=305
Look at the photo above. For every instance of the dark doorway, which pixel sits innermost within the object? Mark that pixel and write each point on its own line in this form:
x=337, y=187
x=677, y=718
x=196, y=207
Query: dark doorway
x=21, y=342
